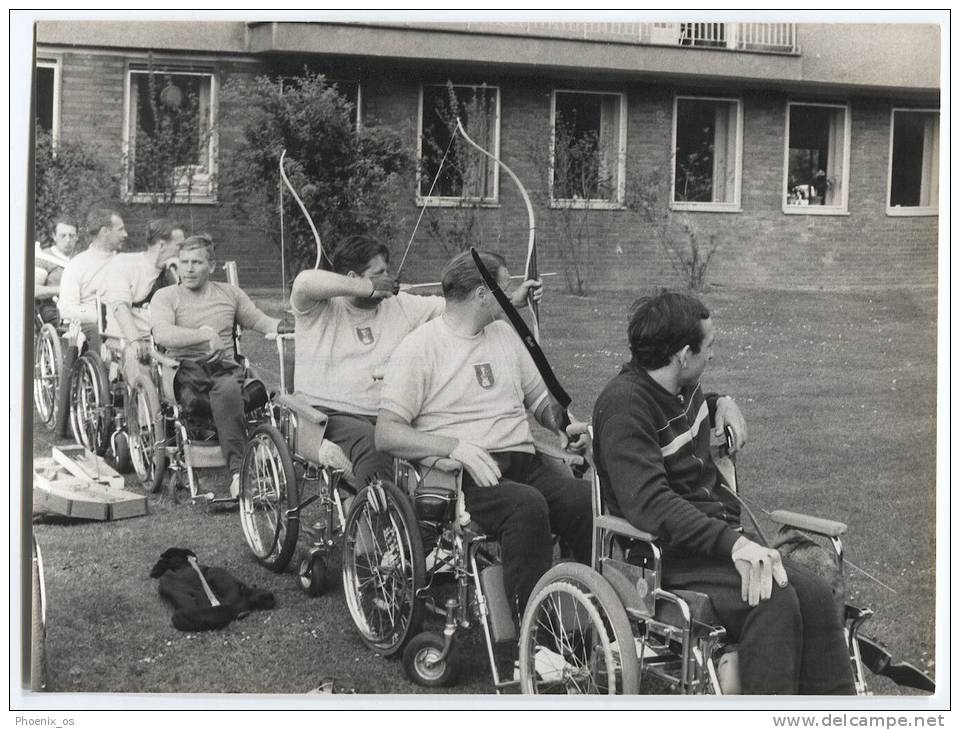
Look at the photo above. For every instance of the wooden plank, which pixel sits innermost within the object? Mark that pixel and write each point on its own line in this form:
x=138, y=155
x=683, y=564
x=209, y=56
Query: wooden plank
x=66, y=489
x=85, y=464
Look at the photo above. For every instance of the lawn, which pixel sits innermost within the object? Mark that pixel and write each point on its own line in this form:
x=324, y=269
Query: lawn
x=839, y=390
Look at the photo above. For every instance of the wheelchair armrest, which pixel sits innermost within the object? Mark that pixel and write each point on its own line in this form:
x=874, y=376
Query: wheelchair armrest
x=620, y=526
x=556, y=452
x=441, y=463
x=161, y=359
x=302, y=408
x=819, y=525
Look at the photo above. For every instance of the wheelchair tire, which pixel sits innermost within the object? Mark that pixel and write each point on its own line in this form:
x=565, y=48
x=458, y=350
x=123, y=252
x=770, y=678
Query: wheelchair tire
x=118, y=452
x=268, y=489
x=420, y=665
x=578, y=613
x=313, y=575
x=90, y=407
x=146, y=432
x=48, y=376
x=38, y=630
x=383, y=568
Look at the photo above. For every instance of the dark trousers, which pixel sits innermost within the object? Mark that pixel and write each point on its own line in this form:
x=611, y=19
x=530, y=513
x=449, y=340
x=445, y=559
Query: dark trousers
x=536, y=497
x=791, y=644
x=354, y=434
x=217, y=384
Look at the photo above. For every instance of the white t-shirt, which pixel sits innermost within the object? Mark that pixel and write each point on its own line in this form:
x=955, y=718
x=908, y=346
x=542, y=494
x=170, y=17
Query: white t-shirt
x=339, y=347
x=84, y=277
x=130, y=277
x=475, y=388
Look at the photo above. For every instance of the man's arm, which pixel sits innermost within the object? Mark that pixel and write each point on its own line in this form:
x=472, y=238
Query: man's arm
x=317, y=285
x=69, y=301
x=252, y=317
x=395, y=435
x=42, y=290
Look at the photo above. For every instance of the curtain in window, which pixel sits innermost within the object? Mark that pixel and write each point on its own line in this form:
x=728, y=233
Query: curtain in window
x=930, y=176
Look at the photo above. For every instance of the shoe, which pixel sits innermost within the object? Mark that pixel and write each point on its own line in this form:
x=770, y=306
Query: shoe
x=549, y=666
x=235, y=487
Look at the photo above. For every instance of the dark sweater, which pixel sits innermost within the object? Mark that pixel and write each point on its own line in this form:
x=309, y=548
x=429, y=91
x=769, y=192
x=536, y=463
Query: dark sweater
x=652, y=451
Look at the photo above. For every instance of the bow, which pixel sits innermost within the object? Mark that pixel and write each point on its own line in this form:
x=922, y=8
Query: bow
x=528, y=338
x=530, y=270
x=313, y=228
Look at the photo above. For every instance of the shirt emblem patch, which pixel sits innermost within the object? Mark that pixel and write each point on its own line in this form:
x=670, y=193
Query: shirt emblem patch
x=484, y=373
x=365, y=335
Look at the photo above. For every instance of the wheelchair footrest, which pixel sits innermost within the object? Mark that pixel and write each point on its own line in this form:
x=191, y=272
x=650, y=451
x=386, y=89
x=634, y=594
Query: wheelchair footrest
x=204, y=456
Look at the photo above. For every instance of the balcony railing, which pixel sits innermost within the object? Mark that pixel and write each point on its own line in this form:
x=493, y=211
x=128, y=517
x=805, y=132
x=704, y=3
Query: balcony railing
x=763, y=37
x=766, y=37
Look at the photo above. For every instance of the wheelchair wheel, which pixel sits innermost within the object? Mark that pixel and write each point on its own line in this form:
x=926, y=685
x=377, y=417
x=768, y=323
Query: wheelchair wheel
x=421, y=665
x=575, y=636
x=313, y=575
x=48, y=376
x=38, y=631
x=268, y=488
x=146, y=430
x=90, y=403
x=383, y=568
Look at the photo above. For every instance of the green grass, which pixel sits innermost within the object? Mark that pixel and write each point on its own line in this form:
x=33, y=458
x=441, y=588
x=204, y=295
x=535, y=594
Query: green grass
x=839, y=391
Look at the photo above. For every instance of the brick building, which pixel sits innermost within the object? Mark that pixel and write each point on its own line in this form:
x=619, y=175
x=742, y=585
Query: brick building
x=808, y=151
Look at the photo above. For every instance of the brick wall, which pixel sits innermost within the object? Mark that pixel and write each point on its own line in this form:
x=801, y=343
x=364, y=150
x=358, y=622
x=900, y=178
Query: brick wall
x=760, y=246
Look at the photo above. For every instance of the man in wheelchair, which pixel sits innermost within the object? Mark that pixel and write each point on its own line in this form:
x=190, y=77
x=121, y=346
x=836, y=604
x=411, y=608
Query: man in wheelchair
x=132, y=280
x=49, y=263
x=459, y=387
x=651, y=446
x=194, y=321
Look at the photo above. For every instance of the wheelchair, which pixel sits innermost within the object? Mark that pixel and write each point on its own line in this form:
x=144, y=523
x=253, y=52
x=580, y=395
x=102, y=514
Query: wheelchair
x=288, y=467
x=166, y=441
x=50, y=378
x=615, y=625
x=99, y=397
x=411, y=550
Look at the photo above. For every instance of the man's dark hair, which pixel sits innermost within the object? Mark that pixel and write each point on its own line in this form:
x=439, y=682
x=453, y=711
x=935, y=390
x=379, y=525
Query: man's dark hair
x=161, y=229
x=65, y=220
x=356, y=253
x=663, y=324
x=99, y=218
x=460, y=276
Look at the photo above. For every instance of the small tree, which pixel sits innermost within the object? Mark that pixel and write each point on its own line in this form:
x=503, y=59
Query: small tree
x=350, y=180
x=676, y=234
x=69, y=180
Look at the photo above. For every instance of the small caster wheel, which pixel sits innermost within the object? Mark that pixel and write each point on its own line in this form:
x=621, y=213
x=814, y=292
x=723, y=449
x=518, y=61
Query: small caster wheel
x=118, y=455
x=177, y=489
x=313, y=575
x=421, y=665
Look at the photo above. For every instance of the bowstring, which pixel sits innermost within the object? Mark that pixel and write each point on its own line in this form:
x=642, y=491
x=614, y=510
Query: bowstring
x=423, y=208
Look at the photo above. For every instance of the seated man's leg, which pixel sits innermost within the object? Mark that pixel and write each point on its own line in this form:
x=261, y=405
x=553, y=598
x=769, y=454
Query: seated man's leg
x=354, y=434
x=92, y=335
x=769, y=636
x=569, y=504
x=226, y=404
x=518, y=517
x=825, y=667
x=132, y=366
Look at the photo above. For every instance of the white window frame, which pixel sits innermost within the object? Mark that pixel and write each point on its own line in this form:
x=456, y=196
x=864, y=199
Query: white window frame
x=55, y=64
x=592, y=203
x=842, y=208
x=446, y=201
x=171, y=67
x=736, y=205
x=926, y=210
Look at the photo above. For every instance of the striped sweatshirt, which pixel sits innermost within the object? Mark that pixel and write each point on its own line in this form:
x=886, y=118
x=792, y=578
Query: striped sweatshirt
x=652, y=452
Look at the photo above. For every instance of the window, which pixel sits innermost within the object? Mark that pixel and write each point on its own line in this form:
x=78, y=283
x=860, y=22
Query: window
x=588, y=149
x=914, y=178
x=465, y=175
x=817, y=158
x=707, y=143
x=170, y=144
x=48, y=97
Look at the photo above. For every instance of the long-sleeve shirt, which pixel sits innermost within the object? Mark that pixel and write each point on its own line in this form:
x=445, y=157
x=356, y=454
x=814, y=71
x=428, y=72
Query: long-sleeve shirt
x=84, y=277
x=217, y=305
x=652, y=451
